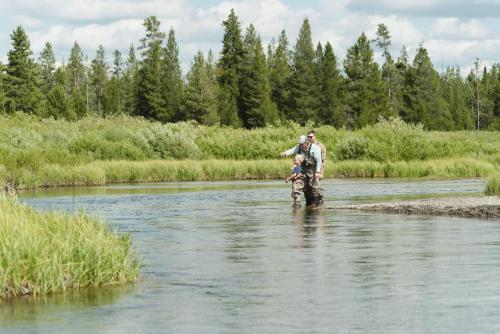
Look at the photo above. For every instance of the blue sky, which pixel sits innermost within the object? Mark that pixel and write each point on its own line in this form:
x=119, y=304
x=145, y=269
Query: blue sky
x=455, y=32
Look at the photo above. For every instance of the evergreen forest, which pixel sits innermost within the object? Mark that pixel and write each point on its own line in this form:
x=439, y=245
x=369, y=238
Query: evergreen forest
x=249, y=84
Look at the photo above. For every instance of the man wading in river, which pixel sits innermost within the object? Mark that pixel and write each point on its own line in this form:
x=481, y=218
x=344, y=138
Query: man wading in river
x=311, y=136
x=311, y=168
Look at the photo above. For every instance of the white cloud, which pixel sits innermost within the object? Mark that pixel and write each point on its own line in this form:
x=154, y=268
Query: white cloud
x=431, y=8
x=116, y=35
x=28, y=22
x=96, y=9
x=401, y=29
x=445, y=53
x=455, y=29
x=117, y=23
x=268, y=16
x=333, y=8
x=344, y=32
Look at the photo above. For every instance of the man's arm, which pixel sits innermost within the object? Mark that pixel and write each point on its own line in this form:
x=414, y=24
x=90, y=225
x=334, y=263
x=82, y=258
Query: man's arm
x=293, y=150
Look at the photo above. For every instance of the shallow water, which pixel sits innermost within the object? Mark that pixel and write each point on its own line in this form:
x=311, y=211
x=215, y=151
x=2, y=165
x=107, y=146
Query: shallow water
x=234, y=257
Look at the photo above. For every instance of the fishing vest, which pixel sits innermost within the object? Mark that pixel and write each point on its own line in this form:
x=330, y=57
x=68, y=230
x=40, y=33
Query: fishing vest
x=309, y=162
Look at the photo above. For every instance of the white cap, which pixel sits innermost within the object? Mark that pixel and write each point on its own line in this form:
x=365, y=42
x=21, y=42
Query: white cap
x=302, y=139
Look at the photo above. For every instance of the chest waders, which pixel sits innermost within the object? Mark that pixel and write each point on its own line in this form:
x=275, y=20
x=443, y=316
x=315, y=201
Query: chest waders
x=312, y=191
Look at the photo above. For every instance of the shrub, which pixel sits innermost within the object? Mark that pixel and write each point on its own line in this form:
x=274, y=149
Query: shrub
x=44, y=253
x=352, y=147
x=493, y=186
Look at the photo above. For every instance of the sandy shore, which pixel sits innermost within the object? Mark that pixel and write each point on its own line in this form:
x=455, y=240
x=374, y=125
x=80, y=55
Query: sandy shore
x=482, y=207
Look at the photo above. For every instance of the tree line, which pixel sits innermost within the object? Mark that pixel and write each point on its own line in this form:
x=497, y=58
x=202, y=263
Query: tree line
x=250, y=85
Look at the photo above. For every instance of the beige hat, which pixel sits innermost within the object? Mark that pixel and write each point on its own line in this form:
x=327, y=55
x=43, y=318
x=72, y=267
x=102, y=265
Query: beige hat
x=302, y=139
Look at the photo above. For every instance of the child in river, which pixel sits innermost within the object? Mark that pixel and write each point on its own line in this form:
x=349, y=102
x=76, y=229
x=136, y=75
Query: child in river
x=297, y=179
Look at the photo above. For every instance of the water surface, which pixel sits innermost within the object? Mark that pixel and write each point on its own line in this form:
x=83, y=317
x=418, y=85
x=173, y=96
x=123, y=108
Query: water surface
x=235, y=257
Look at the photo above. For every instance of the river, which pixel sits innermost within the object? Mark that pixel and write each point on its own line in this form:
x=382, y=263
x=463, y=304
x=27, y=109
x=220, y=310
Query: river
x=235, y=257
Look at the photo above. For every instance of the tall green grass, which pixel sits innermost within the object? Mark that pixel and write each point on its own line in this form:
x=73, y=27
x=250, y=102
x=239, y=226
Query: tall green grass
x=44, y=152
x=493, y=186
x=43, y=253
x=122, y=171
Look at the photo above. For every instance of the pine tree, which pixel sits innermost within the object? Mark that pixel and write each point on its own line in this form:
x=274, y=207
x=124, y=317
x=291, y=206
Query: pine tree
x=212, y=118
x=494, y=97
x=402, y=83
x=228, y=71
x=98, y=79
x=2, y=88
x=227, y=108
x=47, y=62
x=256, y=108
x=201, y=92
x=318, y=65
x=22, y=82
x=366, y=100
x=488, y=87
x=279, y=74
x=302, y=80
x=173, y=86
x=454, y=90
x=59, y=103
x=130, y=83
x=115, y=91
x=383, y=42
x=78, y=81
x=428, y=106
x=330, y=111
x=150, y=98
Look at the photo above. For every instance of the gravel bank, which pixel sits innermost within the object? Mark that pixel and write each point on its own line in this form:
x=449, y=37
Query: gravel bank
x=482, y=207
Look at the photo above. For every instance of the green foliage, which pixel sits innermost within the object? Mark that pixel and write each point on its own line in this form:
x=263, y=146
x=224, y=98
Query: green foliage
x=303, y=80
x=201, y=93
x=366, y=99
x=28, y=143
x=130, y=83
x=330, y=93
x=428, y=105
x=47, y=152
x=256, y=108
x=150, y=101
x=77, y=81
x=246, y=89
x=278, y=62
x=2, y=88
x=43, y=253
x=353, y=147
x=228, y=108
x=173, y=142
x=47, y=62
x=98, y=80
x=228, y=72
x=22, y=83
x=76, y=70
x=454, y=93
x=493, y=186
x=389, y=71
x=173, y=86
x=440, y=168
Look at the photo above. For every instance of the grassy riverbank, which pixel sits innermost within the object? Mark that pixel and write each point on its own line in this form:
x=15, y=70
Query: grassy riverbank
x=40, y=152
x=106, y=172
x=43, y=253
x=493, y=186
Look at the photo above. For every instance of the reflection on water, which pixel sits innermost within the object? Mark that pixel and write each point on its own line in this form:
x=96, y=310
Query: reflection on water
x=145, y=188
x=228, y=257
x=29, y=309
x=310, y=222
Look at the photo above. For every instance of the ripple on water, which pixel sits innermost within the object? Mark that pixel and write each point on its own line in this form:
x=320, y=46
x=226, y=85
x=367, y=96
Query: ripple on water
x=235, y=257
